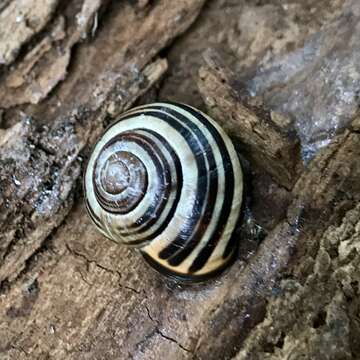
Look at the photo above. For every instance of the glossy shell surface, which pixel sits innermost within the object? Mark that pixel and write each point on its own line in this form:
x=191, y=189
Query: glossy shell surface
x=165, y=178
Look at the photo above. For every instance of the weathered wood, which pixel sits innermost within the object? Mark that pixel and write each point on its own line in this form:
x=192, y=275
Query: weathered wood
x=289, y=247
x=19, y=22
x=317, y=81
x=45, y=65
x=267, y=138
x=317, y=303
x=317, y=316
x=67, y=293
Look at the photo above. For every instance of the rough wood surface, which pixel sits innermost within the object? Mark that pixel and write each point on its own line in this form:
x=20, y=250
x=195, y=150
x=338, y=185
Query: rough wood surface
x=330, y=57
x=267, y=138
x=67, y=293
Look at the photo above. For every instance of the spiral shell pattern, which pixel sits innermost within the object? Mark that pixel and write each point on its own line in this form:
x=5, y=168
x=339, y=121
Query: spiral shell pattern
x=166, y=178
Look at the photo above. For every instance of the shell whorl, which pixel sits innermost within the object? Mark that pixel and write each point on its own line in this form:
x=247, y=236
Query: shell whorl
x=166, y=178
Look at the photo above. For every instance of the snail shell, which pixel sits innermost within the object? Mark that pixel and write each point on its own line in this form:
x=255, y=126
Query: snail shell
x=165, y=178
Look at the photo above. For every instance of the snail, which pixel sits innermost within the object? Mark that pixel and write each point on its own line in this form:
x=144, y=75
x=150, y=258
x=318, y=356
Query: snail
x=166, y=179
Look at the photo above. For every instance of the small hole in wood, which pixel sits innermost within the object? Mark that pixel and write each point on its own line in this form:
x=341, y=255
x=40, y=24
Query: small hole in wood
x=320, y=319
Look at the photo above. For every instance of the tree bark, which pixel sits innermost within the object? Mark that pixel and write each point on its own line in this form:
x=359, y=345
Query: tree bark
x=67, y=70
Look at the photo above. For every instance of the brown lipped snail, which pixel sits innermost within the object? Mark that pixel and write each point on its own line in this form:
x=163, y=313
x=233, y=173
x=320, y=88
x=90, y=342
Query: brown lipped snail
x=166, y=179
